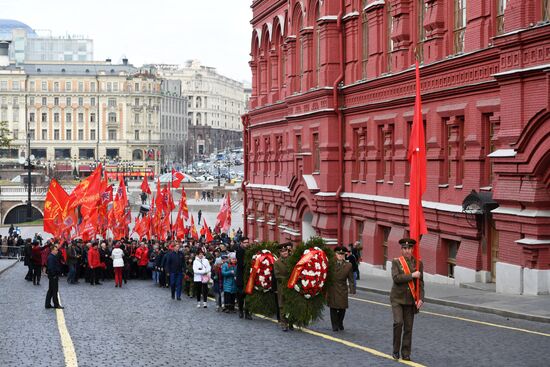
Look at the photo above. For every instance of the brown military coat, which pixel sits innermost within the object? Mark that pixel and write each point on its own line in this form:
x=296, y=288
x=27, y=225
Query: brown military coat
x=281, y=274
x=400, y=293
x=337, y=293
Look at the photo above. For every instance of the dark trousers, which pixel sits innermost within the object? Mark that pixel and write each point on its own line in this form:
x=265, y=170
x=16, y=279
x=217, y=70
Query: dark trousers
x=36, y=273
x=403, y=319
x=142, y=272
x=175, y=284
x=240, y=300
x=337, y=318
x=29, y=272
x=94, y=275
x=53, y=288
x=201, y=288
x=71, y=278
x=229, y=300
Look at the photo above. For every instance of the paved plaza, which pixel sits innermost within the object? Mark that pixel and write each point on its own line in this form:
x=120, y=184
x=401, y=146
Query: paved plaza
x=139, y=325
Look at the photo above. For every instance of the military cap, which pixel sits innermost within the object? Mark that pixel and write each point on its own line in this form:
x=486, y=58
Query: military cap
x=283, y=247
x=340, y=250
x=407, y=242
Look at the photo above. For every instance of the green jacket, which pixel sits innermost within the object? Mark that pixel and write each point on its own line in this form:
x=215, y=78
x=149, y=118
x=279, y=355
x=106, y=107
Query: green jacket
x=400, y=293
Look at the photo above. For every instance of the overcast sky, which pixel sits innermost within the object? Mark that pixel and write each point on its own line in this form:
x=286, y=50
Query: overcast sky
x=217, y=32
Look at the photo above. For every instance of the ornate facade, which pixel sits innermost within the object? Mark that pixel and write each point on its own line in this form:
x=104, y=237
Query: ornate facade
x=76, y=114
x=330, y=116
x=214, y=106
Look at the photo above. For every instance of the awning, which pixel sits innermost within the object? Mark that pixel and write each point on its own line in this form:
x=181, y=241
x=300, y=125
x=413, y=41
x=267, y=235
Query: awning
x=479, y=203
x=63, y=167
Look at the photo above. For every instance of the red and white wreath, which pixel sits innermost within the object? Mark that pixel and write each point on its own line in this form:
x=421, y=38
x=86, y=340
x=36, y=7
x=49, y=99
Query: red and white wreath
x=261, y=271
x=310, y=273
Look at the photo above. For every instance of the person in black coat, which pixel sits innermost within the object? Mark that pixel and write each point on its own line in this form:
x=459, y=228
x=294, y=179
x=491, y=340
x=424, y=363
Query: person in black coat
x=53, y=270
x=175, y=266
x=239, y=279
x=27, y=252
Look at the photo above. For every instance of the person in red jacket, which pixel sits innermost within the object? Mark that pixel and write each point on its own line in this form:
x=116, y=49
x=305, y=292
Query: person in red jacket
x=142, y=256
x=94, y=264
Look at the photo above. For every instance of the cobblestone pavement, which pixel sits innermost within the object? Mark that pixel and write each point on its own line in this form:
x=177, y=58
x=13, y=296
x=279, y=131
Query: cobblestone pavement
x=139, y=325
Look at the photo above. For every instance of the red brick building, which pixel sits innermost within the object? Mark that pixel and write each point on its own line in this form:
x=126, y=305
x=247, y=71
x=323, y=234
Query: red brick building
x=331, y=112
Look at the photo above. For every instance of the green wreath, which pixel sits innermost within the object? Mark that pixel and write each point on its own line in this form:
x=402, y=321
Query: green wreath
x=299, y=310
x=263, y=303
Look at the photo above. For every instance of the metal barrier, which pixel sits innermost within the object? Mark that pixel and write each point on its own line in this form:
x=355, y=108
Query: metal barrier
x=11, y=252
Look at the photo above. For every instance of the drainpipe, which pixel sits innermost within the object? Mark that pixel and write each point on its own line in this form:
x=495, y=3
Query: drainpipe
x=246, y=123
x=339, y=113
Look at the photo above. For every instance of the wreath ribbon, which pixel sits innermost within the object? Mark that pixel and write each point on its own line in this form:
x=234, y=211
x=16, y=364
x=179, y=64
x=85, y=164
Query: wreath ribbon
x=256, y=268
x=301, y=264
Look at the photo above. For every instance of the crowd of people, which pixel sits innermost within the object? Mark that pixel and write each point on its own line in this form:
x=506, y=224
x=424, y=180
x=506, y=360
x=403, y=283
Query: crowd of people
x=196, y=269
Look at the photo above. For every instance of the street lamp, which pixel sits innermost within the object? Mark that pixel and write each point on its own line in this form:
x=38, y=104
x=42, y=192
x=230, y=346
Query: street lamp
x=28, y=165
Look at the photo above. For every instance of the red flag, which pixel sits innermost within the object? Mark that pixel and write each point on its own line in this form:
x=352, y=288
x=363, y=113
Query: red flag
x=168, y=200
x=179, y=228
x=417, y=158
x=54, y=206
x=86, y=193
x=159, y=201
x=194, y=233
x=184, y=211
x=145, y=186
x=177, y=177
x=223, y=220
x=207, y=233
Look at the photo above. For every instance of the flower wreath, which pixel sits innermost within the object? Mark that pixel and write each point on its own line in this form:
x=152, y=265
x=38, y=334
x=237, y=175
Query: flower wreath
x=261, y=272
x=310, y=273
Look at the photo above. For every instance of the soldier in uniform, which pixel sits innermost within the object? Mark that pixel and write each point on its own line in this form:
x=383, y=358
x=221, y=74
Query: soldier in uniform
x=337, y=293
x=402, y=298
x=282, y=274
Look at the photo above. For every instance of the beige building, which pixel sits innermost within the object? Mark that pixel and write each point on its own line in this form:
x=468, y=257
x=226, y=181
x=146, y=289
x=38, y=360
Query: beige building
x=80, y=113
x=215, y=104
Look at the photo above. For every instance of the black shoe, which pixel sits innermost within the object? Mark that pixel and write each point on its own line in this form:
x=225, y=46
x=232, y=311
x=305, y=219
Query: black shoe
x=48, y=306
x=334, y=329
x=173, y=296
x=248, y=316
x=406, y=358
x=38, y=283
x=179, y=298
x=290, y=327
x=241, y=314
x=60, y=307
x=98, y=283
x=395, y=355
x=341, y=327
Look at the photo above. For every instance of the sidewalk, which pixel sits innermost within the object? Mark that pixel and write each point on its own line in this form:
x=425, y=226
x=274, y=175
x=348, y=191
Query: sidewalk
x=534, y=308
x=6, y=264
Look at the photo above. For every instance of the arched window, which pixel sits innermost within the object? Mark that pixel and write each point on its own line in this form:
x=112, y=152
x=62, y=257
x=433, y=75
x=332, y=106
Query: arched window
x=137, y=155
x=198, y=119
x=198, y=103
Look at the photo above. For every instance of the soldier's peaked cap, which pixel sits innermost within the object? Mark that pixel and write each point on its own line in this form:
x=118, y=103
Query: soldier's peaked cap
x=407, y=242
x=340, y=250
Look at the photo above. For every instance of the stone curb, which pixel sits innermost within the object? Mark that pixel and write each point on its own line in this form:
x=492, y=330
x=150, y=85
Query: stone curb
x=471, y=307
x=9, y=267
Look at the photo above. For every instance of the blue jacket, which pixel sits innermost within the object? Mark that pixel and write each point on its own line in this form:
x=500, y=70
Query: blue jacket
x=53, y=266
x=228, y=273
x=175, y=262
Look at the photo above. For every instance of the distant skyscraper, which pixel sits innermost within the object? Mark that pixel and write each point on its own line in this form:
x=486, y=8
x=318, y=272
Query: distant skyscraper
x=26, y=44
